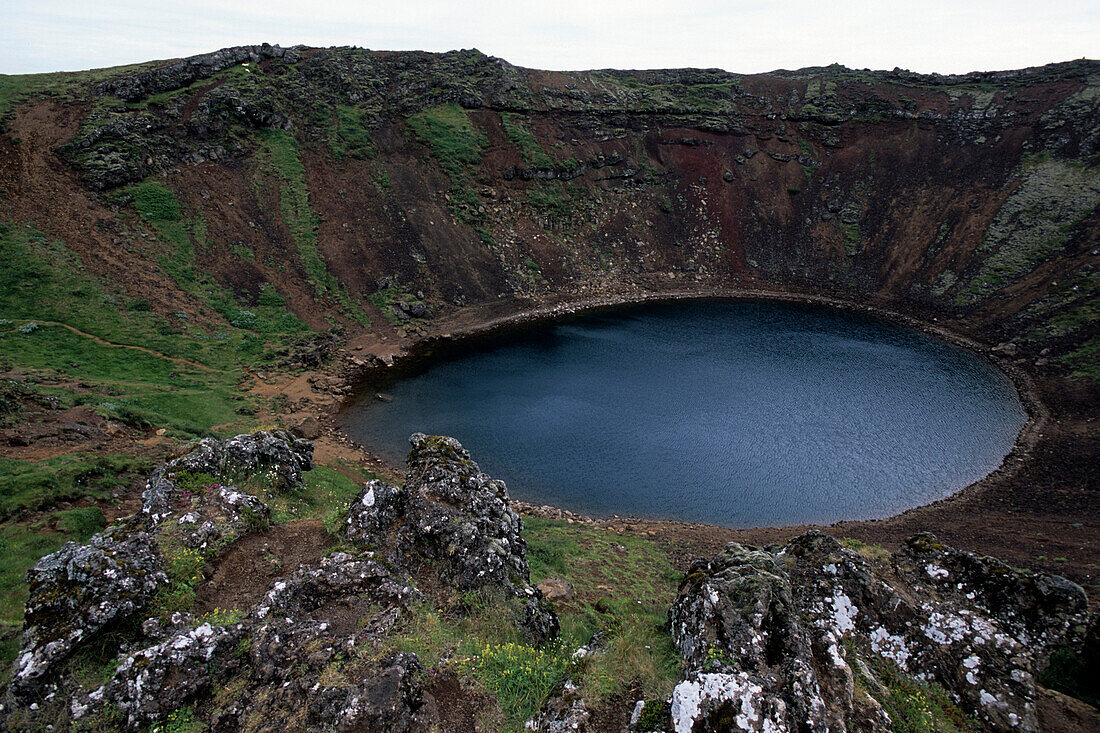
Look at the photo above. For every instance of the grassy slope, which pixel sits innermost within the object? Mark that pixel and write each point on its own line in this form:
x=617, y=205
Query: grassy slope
x=77, y=340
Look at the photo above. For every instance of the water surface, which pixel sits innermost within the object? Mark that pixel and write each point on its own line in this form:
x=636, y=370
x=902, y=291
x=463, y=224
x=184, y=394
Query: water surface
x=734, y=413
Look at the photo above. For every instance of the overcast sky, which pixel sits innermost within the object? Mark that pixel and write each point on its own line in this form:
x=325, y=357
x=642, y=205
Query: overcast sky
x=746, y=36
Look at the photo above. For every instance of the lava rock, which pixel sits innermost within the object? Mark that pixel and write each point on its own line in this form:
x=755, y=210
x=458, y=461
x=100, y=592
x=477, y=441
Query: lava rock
x=449, y=512
x=308, y=427
x=77, y=591
x=770, y=637
x=277, y=458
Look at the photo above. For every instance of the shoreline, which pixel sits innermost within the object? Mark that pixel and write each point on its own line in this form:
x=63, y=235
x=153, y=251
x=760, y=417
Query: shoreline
x=415, y=350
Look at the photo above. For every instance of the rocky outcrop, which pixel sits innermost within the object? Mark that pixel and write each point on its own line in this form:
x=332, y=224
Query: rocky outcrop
x=802, y=637
x=452, y=514
x=272, y=460
x=179, y=74
x=78, y=591
x=307, y=652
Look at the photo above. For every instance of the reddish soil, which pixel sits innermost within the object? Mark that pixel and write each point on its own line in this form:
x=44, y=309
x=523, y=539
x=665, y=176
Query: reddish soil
x=246, y=571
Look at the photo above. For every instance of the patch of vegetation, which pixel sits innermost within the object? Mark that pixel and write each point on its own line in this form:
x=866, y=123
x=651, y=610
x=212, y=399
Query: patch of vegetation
x=327, y=494
x=515, y=127
x=35, y=485
x=155, y=202
x=20, y=549
x=281, y=149
x=458, y=147
x=349, y=137
x=81, y=524
x=1074, y=675
x=184, y=567
x=551, y=199
x=519, y=676
x=874, y=553
x=913, y=706
x=1084, y=361
x=638, y=647
x=1034, y=224
x=182, y=720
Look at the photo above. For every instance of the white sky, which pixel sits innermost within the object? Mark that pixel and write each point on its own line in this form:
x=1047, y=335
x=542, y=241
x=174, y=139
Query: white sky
x=746, y=36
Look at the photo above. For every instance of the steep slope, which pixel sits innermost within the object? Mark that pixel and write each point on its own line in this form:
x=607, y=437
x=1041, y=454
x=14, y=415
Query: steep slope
x=226, y=242
x=350, y=180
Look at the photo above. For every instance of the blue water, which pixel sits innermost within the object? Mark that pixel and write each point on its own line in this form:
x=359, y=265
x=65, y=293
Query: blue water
x=734, y=413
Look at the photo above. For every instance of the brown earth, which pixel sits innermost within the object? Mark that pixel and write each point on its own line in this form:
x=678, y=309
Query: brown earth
x=744, y=210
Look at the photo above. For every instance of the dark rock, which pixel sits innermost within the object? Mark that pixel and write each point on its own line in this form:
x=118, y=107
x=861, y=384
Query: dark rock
x=338, y=575
x=761, y=632
x=276, y=458
x=393, y=700
x=450, y=512
x=564, y=712
x=1039, y=610
x=155, y=681
x=728, y=176
x=419, y=310
x=77, y=591
x=179, y=74
x=378, y=506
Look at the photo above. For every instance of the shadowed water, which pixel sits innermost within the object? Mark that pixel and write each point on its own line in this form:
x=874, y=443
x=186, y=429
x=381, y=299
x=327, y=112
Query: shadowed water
x=734, y=413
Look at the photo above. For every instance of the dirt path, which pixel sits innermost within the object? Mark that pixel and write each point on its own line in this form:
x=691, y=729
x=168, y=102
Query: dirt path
x=104, y=342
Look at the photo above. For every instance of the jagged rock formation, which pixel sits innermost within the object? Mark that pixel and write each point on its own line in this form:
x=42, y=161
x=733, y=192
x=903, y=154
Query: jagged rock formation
x=451, y=513
x=274, y=460
x=796, y=638
x=76, y=592
x=286, y=654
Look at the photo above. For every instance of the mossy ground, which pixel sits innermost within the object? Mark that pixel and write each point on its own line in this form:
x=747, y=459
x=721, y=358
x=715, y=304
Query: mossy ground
x=623, y=585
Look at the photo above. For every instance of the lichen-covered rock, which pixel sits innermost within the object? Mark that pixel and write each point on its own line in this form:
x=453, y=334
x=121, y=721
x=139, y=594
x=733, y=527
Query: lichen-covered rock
x=564, y=712
x=374, y=511
x=392, y=700
x=461, y=516
x=273, y=459
x=1033, y=607
x=339, y=575
x=771, y=637
x=451, y=513
x=282, y=652
x=152, y=682
x=132, y=87
x=77, y=591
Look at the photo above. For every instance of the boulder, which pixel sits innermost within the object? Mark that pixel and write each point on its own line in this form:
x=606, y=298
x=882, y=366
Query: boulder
x=156, y=680
x=308, y=427
x=451, y=513
x=554, y=589
x=79, y=590
x=780, y=638
x=275, y=459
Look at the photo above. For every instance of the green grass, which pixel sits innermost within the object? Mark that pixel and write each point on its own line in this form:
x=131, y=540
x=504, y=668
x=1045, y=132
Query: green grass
x=914, y=706
x=327, y=494
x=515, y=127
x=282, y=152
x=551, y=199
x=349, y=137
x=37, y=485
x=458, y=147
x=1084, y=361
x=155, y=202
x=42, y=282
x=521, y=677
x=632, y=617
x=19, y=551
